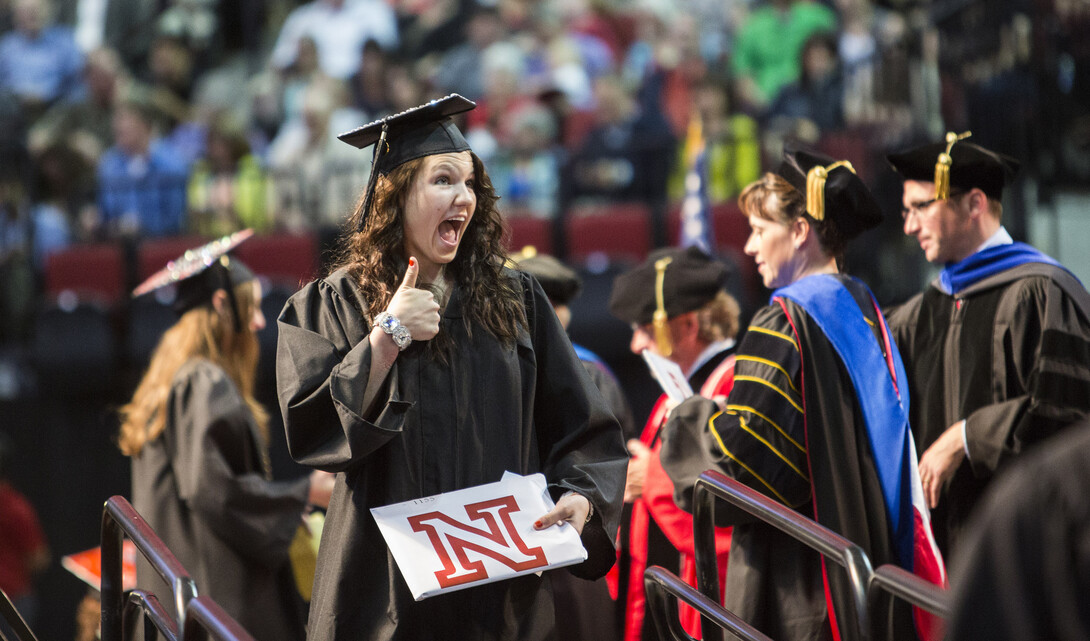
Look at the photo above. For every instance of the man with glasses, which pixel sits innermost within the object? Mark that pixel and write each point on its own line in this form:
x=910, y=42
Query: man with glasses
x=997, y=349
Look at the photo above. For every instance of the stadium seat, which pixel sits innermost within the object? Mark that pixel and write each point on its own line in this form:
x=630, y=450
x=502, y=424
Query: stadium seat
x=90, y=272
x=74, y=349
x=288, y=261
x=526, y=230
x=620, y=232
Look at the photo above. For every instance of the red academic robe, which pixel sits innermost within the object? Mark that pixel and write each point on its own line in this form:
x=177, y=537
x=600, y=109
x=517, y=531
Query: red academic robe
x=657, y=502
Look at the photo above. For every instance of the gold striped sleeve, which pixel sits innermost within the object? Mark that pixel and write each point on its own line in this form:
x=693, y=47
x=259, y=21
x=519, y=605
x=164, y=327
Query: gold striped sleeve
x=770, y=363
x=770, y=332
x=734, y=409
x=772, y=448
x=755, y=379
x=723, y=446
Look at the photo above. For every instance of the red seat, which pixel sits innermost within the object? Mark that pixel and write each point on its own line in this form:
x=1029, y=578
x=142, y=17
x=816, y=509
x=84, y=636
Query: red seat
x=153, y=254
x=619, y=231
x=95, y=272
x=730, y=226
x=289, y=260
x=524, y=231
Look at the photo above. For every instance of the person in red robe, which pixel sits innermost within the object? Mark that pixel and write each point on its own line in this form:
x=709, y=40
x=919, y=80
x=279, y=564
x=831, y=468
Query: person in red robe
x=678, y=308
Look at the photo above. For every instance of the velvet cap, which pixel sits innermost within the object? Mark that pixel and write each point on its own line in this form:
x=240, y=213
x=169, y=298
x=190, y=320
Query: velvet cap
x=842, y=197
x=200, y=271
x=691, y=279
x=970, y=166
x=560, y=282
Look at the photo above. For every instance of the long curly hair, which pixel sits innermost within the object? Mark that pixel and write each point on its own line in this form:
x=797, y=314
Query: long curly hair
x=375, y=257
x=200, y=333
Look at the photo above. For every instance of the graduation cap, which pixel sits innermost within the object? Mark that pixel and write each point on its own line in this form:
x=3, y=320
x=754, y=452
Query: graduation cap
x=953, y=162
x=834, y=192
x=670, y=282
x=414, y=133
x=560, y=282
x=199, y=272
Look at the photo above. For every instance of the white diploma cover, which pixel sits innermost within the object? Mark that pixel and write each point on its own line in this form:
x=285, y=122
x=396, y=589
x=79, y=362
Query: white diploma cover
x=478, y=535
x=669, y=375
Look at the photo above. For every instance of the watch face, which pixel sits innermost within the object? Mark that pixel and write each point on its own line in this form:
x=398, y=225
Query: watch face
x=402, y=336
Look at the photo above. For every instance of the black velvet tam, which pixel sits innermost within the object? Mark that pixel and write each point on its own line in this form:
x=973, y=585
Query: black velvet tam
x=692, y=279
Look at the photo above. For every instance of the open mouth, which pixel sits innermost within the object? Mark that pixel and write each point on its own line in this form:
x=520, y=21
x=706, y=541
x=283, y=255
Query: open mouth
x=450, y=229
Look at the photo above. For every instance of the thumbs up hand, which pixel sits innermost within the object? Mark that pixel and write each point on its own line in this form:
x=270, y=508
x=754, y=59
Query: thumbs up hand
x=415, y=308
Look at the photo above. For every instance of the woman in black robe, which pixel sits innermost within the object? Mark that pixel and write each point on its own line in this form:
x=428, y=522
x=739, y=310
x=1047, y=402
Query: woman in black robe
x=198, y=440
x=814, y=420
x=422, y=365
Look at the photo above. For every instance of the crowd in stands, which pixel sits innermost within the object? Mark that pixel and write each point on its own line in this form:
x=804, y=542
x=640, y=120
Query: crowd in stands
x=134, y=119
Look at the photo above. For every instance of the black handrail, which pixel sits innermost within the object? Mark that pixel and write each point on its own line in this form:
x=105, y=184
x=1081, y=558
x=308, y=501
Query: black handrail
x=903, y=584
x=120, y=519
x=14, y=620
x=157, y=619
x=664, y=589
x=712, y=484
x=205, y=618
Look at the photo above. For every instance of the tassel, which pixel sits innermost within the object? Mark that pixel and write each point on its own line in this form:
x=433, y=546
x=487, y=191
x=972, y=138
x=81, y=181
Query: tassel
x=942, y=167
x=815, y=187
x=662, y=329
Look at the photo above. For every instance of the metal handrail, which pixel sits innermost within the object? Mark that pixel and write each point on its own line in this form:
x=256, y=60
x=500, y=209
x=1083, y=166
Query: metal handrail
x=14, y=620
x=120, y=519
x=664, y=589
x=157, y=619
x=712, y=484
x=205, y=618
x=905, y=585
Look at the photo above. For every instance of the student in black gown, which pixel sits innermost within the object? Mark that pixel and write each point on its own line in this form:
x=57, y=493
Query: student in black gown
x=422, y=365
x=996, y=347
x=199, y=445
x=815, y=419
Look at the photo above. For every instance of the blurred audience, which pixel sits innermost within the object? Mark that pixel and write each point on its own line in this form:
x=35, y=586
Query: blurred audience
x=339, y=28
x=39, y=60
x=766, y=53
x=141, y=179
x=813, y=104
x=227, y=187
x=125, y=26
x=25, y=552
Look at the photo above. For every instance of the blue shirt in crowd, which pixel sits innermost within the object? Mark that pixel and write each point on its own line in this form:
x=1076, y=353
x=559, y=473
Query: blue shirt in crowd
x=44, y=68
x=146, y=192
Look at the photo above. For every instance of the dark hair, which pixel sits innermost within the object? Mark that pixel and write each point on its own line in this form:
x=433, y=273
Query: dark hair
x=376, y=259
x=755, y=200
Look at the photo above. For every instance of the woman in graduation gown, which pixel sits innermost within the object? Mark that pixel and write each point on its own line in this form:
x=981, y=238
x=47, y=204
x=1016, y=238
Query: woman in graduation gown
x=423, y=365
x=198, y=441
x=815, y=419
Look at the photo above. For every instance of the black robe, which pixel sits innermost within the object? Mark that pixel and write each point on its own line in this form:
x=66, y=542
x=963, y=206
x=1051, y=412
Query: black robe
x=795, y=432
x=203, y=486
x=1010, y=355
x=527, y=408
x=1024, y=572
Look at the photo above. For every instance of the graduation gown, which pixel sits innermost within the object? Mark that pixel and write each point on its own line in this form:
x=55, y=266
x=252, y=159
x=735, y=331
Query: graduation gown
x=1009, y=355
x=527, y=408
x=204, y=486
x=1024, y=572
x=659, y=532
x=792, y=430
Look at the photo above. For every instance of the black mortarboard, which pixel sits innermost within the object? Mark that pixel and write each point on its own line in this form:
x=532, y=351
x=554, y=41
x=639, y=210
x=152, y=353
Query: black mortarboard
x=957, y=163
x=199, y=272
x=560, y=282
x=414, y=133
x=833, y=191
x=690, y=279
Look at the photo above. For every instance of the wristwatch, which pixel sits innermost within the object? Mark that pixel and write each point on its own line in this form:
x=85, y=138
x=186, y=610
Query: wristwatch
x=389, y=324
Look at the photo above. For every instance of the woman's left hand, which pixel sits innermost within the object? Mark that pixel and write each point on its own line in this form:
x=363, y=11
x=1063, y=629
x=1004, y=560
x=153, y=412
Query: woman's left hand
x=572, y=508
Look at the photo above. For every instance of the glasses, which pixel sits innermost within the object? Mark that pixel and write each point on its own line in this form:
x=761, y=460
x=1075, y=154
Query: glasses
x=918, y=208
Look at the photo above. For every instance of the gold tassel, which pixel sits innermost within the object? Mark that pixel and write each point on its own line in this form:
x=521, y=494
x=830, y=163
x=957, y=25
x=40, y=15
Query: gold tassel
x=662, y=329
x=942, y=167
x=815, y=187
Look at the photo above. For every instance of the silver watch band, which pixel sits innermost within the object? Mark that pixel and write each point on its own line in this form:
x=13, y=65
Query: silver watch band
x=400, y=334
